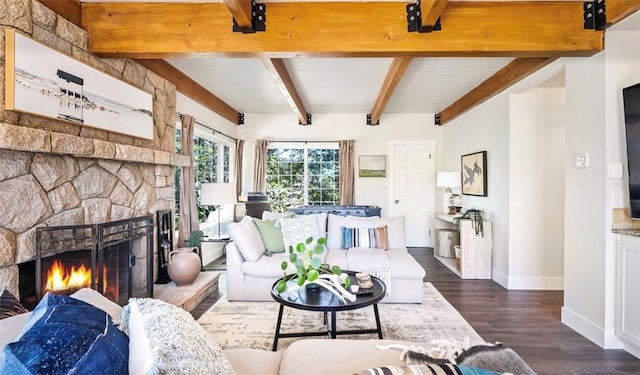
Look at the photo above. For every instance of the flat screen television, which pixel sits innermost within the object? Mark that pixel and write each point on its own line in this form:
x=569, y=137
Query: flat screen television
x=631, y=99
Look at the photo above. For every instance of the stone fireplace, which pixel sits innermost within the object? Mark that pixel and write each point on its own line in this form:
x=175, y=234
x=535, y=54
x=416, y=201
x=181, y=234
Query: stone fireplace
x=56, y=173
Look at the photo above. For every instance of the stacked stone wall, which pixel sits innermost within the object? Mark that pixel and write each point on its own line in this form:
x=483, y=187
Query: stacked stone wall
x=60, y=173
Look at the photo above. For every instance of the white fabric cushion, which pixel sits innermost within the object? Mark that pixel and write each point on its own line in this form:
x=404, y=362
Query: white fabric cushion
x=10, y=328
x=298, y=229
x=248, y=239
x=322, y=222
x=268, y=215
x=267, y=266
x=254, y=361
x=165, y=339
x=404, y=266
x=396, y=231
x=96, y=299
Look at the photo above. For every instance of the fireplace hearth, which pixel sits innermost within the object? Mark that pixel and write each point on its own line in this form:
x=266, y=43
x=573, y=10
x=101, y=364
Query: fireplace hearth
x=117, y=258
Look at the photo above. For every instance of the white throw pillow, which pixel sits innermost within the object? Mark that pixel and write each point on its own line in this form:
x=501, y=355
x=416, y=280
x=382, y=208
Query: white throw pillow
x=165, y=339
x=396, y=231
x=322, y=222
x=268, y=215
x=298, y=229
x=248, y=239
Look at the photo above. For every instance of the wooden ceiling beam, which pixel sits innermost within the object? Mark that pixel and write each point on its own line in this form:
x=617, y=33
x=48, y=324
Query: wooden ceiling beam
x=396, y=70
x=430, y=12
x=617, y=10
x=513, y=72
x=190, y=88
x=69, y=9
x=340, y=29
x=241, y=12
x=280, y=74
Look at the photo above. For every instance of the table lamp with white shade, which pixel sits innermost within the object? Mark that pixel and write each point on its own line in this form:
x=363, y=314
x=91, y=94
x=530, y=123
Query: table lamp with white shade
x=217, y=195
x=447, y=180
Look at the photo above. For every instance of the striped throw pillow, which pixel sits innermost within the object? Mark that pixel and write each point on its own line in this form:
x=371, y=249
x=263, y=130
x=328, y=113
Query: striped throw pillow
x=447, y=369
x=372, y=238
x=10, y=306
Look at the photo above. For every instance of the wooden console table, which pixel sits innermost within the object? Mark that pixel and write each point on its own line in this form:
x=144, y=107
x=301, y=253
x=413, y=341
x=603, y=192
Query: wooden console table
x=475, y=257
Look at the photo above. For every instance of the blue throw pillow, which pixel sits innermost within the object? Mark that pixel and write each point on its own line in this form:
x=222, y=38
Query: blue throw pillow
x=67, y=336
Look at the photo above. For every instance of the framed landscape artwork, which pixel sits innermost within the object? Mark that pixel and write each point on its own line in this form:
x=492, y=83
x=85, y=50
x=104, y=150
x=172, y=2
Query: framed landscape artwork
x=474, y=174
x=372, y=166
x=45, y=82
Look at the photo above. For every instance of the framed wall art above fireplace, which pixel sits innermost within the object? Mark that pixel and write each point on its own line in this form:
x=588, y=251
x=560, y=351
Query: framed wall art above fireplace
x=45, y=82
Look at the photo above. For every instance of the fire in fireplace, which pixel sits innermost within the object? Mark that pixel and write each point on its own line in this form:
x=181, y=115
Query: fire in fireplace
x=59, y=278
x=115, y=258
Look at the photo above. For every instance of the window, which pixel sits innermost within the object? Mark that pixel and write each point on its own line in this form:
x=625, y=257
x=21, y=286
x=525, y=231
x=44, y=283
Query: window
x=302, y=174
x=212, y=162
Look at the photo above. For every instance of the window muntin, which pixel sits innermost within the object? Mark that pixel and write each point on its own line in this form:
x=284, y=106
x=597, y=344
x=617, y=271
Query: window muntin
x=302, y=174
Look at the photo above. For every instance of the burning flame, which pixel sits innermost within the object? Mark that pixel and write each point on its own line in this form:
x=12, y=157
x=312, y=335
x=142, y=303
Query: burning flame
x=58, y=278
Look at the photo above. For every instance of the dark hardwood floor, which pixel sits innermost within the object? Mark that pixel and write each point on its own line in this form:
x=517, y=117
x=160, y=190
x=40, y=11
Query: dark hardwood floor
x=527, y=321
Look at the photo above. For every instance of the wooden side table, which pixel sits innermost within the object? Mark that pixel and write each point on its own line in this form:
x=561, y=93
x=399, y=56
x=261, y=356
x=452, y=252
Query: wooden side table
x=475, y=258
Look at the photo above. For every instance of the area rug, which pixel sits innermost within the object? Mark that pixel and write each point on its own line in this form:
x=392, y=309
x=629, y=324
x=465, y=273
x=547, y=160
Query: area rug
x=253, y=324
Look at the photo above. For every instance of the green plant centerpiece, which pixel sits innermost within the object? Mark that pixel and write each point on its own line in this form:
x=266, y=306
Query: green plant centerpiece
x=310, y=269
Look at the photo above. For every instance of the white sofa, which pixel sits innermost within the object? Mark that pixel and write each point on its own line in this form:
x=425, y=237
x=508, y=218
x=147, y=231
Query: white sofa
x=251, y=273
x=340, y=356
x=160, y=332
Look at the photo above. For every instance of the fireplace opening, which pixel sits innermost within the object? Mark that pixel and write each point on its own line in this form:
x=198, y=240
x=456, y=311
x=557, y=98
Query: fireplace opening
x=114, y=258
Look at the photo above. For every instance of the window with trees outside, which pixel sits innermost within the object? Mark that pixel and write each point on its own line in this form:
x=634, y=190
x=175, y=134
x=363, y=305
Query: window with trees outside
x=213, y=161
x=302, y=173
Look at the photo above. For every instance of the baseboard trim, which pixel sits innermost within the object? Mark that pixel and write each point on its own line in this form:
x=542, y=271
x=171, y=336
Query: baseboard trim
x=536, y=283
x=583, y=326
x=500, y=277
x=631, y=349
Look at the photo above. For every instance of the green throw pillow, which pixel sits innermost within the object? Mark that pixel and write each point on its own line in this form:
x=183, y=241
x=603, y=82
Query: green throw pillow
x=271, y=236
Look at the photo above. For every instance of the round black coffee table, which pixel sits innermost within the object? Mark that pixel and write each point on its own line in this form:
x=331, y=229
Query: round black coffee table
x=320, y=299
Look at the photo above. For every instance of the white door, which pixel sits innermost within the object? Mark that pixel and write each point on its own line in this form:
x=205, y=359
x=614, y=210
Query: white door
x=412, y=188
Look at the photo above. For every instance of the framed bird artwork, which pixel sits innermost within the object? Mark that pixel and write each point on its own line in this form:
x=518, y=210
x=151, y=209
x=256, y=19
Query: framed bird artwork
x=474, y=174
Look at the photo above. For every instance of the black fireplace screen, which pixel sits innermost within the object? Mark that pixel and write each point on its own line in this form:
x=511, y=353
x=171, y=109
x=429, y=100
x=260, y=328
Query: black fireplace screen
x=117, y=257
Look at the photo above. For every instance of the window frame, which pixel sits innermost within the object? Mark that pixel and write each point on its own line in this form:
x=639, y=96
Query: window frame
x=306, y=146
x=221, y=141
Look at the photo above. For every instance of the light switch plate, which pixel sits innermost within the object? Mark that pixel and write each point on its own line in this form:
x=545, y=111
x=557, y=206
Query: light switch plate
x=582, y=160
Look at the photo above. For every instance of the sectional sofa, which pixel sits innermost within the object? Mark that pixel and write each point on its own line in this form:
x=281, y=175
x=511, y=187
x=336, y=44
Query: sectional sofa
x=77, y=334
x=252, y=268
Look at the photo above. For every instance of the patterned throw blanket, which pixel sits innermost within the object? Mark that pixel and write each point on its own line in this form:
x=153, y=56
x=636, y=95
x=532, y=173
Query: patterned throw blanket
x=372, y=261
